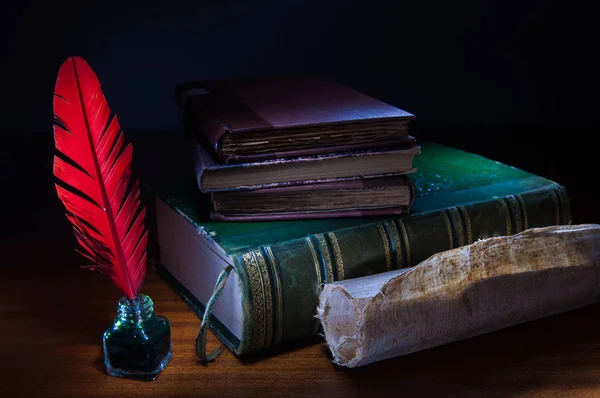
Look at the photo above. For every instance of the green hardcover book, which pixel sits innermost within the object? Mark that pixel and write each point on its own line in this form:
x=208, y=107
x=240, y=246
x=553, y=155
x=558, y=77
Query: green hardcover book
x=279, y=268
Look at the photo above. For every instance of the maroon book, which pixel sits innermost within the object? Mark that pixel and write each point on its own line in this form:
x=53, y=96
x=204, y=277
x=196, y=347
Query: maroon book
x=353, y=198
x=268, y=118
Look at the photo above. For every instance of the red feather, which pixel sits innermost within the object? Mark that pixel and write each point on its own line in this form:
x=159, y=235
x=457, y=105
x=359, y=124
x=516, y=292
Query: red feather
x=93, y=164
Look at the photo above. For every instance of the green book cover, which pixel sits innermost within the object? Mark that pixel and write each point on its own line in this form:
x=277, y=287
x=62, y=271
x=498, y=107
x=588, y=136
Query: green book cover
x=280, y=266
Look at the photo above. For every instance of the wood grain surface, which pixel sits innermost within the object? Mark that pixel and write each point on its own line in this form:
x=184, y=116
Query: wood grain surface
x=53, y=315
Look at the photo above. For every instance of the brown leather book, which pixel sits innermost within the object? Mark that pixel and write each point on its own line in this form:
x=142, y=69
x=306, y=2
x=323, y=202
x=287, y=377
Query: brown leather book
x=269, y=118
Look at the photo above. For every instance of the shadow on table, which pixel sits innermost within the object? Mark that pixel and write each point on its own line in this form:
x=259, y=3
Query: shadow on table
x=559, y=353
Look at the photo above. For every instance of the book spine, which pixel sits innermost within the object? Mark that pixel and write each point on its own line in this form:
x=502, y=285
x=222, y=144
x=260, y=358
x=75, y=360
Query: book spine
x=284, y=280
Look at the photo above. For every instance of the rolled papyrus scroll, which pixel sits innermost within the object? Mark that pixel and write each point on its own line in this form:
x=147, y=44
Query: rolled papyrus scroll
x=460, y=293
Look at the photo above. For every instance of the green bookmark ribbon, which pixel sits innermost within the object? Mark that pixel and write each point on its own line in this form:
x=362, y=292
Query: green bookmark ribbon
x=201, y=338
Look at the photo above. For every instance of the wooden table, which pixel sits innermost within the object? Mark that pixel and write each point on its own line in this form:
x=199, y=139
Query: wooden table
x=53, y=315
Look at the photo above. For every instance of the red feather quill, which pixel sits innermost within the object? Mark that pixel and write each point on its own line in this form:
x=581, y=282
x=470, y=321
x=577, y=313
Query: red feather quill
x=93, y=166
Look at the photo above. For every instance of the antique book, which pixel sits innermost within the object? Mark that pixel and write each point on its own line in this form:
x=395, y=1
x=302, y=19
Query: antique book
x=461, y=293
x=213, y=175
x=354, y=198
x=269, y=118
x=280, y=267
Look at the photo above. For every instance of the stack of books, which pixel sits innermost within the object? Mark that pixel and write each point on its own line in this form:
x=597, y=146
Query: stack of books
x=296, y=148
x=279, y=267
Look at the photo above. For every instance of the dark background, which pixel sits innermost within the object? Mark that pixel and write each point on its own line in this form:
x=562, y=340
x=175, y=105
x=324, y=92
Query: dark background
x=512, y=80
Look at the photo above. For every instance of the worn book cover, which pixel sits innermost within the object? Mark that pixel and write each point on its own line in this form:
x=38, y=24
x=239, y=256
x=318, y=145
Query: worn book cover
x=277, y=117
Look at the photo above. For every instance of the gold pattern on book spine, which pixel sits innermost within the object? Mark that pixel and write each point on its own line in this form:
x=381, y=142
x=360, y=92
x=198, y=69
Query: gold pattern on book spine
x=266, y=284
x=524, y=207
x=326, y=258
x=315, y=257
x=257, y=295
x=516, y=211
x=564, y=205
x=318, y=275
x=448, y=228
x=467, y=219
x=278, y=299
x=458, y=226
x=386, y=247
x=406, y=241
x=396, y=240
x=502, y=203
x=337, y=254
